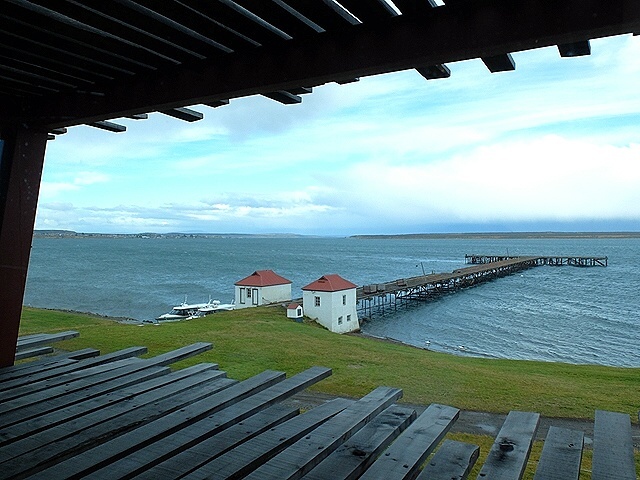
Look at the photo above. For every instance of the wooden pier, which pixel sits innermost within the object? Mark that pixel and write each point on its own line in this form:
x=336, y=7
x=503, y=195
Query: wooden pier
x=381, y=298
x=542, y=260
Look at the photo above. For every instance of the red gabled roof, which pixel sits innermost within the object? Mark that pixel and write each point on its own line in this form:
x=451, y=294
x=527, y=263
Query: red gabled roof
x=262, y=278
x=293, y=306
x=330, y=283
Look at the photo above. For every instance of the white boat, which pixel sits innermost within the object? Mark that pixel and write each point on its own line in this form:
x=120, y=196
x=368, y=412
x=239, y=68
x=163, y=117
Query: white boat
x=215, y=306
x=184, y=310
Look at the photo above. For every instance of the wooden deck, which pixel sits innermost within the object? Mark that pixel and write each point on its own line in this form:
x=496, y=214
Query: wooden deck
x=116, y=416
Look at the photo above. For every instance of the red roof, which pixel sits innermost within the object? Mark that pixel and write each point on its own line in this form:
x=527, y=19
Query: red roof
x=330, y=283
x=292, y=306
x=262, y=278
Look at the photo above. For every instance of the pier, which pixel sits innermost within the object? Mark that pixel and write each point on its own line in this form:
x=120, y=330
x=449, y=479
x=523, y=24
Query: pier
x=385, y=297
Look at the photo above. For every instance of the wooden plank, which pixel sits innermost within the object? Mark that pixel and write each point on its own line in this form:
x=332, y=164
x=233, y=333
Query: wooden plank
x=22, y=391
x=33, y=352
x=26, y=394
x=303, y=456
x=57, y=444
x=43, y=364
x=169, y=444
x=356, y=455
x=81, y=354
x=612, y=447
x=16, y=371
x=194, y=375
x=453, y=461
x=113, y=449
x=197, y=456
x=179, y=354
x=44, y=339
x=561, y=455
x=508, y=456
x=250, y=455
x=405, y=456
x=38, y=375
x=65, y=395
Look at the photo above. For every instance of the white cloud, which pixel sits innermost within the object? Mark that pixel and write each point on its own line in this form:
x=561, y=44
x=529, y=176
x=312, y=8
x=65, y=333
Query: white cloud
x=550, y=178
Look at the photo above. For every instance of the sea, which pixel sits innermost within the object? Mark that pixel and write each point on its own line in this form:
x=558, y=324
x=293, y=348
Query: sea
x=557, y=314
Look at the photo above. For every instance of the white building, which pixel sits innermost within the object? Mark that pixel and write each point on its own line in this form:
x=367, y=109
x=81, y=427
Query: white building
x=262, y=287
x=294, y=310
x=331, y=301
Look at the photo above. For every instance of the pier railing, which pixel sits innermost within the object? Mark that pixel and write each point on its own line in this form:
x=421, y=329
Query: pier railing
x=576, y=261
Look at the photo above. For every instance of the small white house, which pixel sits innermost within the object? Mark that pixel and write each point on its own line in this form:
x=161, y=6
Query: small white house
x=331, y=301
x=294, y=310
x=262, y=287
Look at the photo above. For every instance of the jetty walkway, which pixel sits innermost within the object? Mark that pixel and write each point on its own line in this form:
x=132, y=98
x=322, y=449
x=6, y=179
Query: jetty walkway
x=382, y=297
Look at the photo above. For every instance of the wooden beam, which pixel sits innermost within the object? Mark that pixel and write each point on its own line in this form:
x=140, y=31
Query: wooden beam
x=438, y=36
x=612, y=447
x=500, y=63
x=561, y=454
x=217, y=103
x=138, y=116
x=434, y=71
x=183, y=113
x=300, y=90
x=21, y=162
x=285, y=97
x=575, y=49
x=108, y=126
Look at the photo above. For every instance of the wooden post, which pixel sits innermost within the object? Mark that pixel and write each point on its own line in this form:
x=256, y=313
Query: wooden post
x=21, y=162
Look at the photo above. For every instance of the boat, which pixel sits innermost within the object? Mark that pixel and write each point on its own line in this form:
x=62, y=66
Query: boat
x=215, y=306
x=184, y=311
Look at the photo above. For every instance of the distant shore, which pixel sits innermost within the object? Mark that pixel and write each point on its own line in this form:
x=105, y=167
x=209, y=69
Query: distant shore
x=502, y=235
x=409, y=236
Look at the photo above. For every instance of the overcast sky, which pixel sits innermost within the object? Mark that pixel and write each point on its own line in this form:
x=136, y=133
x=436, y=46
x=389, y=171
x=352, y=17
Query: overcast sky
x=554, y=145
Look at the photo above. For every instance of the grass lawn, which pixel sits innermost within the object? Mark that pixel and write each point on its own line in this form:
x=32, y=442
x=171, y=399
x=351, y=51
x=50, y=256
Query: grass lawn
x=249, y=341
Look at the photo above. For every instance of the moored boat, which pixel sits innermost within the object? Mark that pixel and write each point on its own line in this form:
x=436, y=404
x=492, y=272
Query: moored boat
x=184, y=310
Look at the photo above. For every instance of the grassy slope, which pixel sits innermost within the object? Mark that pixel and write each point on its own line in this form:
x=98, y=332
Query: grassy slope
x=249, y=341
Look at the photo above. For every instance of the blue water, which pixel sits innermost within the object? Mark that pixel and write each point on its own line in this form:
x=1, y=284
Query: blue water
x=564, y=314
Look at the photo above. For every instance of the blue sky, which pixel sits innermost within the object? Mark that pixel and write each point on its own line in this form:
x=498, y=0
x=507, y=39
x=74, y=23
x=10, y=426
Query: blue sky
x=554, y=145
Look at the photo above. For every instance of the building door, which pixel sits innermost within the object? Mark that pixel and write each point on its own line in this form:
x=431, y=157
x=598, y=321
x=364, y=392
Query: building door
x=254, y=296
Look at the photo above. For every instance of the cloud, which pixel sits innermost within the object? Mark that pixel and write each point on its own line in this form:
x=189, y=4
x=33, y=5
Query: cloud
x=49, y=189
x=551, y=178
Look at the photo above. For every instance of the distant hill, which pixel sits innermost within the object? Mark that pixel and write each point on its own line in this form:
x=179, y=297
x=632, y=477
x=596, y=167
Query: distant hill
x=503, y=235
x=72, y=234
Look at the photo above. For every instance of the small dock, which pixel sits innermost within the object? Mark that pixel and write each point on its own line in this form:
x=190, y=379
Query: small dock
x=385, y=297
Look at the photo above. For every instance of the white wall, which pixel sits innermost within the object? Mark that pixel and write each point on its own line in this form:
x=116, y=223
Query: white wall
x=331, y=309
x=261, y=295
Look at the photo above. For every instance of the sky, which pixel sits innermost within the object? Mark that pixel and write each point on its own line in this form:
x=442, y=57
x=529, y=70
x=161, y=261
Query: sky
x=551, y=146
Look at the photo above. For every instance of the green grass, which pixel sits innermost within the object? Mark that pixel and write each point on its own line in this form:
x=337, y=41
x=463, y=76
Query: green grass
x=246, y=342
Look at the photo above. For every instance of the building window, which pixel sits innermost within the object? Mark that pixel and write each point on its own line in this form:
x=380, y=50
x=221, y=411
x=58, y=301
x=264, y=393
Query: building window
x=344, y=299
x=340, y=320
x=348, y=318
x=317, y=301
x=248, y=293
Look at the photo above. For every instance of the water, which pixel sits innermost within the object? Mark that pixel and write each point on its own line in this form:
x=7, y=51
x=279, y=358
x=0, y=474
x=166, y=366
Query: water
x=565, y=314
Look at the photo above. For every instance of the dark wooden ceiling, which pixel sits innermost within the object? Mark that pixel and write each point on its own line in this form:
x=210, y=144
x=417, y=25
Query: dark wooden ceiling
x=70, y=62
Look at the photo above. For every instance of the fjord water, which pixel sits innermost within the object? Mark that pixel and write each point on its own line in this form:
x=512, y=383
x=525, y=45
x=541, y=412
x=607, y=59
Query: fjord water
x=564, y=314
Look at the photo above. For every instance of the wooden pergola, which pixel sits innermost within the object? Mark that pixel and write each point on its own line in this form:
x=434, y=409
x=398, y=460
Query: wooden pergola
x=73, y=62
